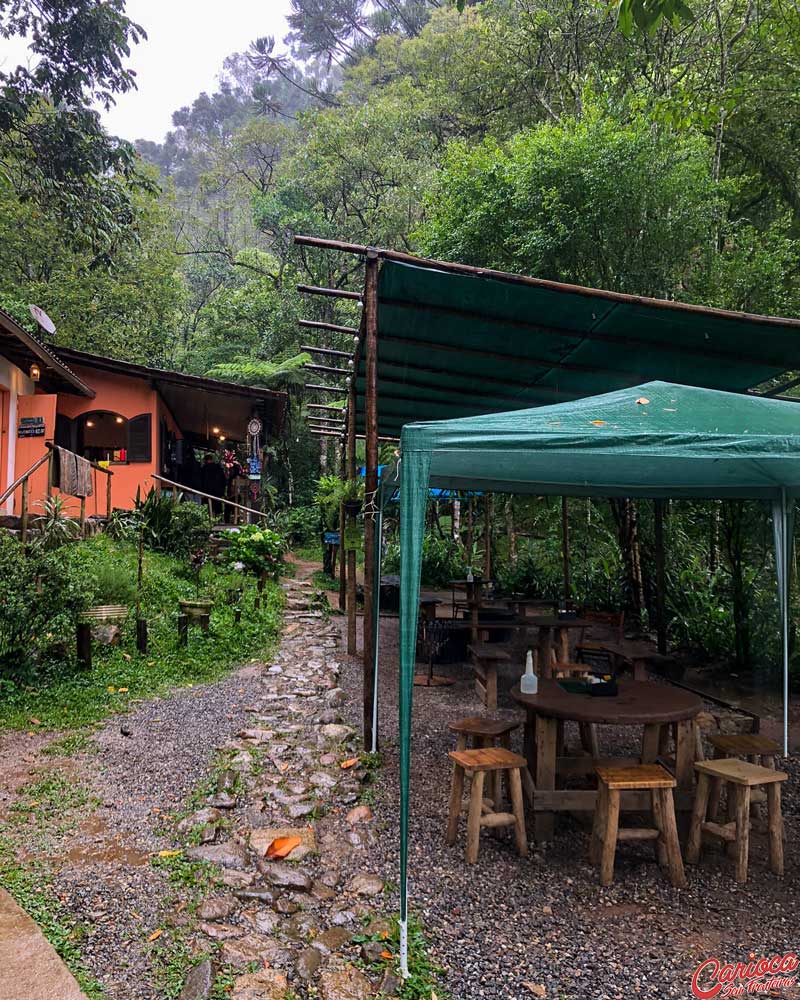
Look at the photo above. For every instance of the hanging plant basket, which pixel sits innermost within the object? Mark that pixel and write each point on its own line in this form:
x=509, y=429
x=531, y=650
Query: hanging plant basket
x=353, y=507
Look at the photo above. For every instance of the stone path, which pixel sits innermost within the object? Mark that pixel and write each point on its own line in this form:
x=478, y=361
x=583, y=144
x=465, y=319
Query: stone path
x=290, y=780
x=29, y=967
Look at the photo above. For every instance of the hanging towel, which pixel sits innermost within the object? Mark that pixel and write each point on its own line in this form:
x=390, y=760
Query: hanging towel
x=83, y=477
x=73, y=474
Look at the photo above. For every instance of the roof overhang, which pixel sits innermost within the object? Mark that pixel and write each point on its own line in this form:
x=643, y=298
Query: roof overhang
x=197, y=404
x=24, y=350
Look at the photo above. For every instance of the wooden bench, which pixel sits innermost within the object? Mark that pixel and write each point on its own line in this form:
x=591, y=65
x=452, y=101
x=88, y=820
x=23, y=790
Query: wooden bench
x=485, y=658
x=95, y=616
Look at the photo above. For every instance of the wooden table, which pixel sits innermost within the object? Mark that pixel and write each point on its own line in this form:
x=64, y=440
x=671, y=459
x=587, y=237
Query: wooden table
x=639, y=703
x=553, y=627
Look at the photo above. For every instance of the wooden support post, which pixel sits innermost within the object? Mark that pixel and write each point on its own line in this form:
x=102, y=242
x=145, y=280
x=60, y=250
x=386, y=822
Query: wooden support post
x=83, y=517
x=84, y=642
x=370, y=485
x=350, y=523
x=141, y=635
x=487, y=566
x=342, y=562
x=183, y=630
x=51, y=474
x=108, y=497
x=565, y=550
x=661, y=622
x=24, y=512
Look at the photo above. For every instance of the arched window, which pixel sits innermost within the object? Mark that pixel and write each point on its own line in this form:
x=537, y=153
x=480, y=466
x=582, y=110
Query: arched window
x=103, y=436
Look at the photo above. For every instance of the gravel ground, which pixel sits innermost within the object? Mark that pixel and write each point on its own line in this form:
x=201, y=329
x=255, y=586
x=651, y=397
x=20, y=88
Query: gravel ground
x=507, y=927
x=105, y=877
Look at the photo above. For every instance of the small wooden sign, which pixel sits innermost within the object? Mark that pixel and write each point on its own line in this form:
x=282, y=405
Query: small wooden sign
x=332, y=538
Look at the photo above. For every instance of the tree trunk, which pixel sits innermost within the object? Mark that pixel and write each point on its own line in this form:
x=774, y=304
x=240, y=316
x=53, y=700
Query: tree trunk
x=733, y=532
x=627, y=521
x=511, y=530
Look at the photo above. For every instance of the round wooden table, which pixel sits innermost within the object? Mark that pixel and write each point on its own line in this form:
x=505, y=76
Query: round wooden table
x=639, y=703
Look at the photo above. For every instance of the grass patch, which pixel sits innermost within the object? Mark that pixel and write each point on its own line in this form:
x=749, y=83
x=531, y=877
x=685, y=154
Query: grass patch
x=68, y=698
x=193, y=877
x=70, y=745
x=424, y=976
x=322, y=581
x=50, y=803
x=308, y=553
x=31, y=886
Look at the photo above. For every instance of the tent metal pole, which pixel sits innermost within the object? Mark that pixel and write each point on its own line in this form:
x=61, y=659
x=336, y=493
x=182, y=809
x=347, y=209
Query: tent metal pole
x=661, y=622
x=785, y=616
x=565, y=550
x=370, y=319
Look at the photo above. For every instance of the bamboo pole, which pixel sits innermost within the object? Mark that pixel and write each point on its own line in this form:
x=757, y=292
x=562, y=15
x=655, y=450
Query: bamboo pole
x=370, y=487
x=661, y=621
x=350, y=524
x=565, y=550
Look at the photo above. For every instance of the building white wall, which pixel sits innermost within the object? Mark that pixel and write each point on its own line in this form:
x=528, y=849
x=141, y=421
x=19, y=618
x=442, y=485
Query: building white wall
x=18, y=384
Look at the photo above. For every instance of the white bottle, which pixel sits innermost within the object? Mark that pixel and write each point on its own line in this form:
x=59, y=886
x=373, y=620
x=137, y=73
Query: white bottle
x=470, y=577
x=529, y=682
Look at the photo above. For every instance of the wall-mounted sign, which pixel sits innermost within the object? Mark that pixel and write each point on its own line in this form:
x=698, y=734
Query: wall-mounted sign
x=332, y=538
x=31, y=427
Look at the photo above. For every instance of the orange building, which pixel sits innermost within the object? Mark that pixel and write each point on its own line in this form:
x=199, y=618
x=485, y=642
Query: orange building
x=132, y=419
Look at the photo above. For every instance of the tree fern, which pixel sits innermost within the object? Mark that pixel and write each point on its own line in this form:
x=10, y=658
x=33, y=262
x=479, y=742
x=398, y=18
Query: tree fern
x=255, y=371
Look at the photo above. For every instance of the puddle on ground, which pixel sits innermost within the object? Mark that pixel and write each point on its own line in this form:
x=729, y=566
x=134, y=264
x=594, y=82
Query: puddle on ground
x=94, y=846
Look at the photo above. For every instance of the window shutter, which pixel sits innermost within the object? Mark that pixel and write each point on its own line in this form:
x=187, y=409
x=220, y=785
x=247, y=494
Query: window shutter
x=140, y=438
x=65, y=436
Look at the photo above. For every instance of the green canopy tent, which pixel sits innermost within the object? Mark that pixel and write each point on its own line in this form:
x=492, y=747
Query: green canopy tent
x=655, y=440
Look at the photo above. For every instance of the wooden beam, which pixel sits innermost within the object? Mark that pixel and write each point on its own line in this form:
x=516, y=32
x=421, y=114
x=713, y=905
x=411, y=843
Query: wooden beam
x=370, y=489
x=325, y=388
x=327, y=369
x=327, y=350
x=319, y=432
x=558, y=286
x=315, y=324
x=325, y=406
x=331, y=293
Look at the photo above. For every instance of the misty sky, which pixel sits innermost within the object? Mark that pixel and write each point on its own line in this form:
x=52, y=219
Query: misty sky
x=187, y=43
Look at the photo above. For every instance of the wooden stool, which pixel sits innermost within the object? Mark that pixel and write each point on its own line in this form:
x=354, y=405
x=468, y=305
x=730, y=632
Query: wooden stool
x=606, y=831
x=741, y=776
x=478, y=763
x=486, y=656
x=485, y=732
x=755, y=748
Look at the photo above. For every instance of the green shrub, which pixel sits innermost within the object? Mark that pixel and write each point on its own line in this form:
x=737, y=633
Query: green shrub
x=42, y=596
x=189, y=529
x=442, y=561
x=300, y=526
x=256, y=549
x=170, y=525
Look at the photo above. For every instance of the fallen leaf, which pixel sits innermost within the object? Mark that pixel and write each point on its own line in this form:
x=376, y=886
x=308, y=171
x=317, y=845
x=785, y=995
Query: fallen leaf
x=282, y=846
x=642, y=401
x=35, y=722
x=127, y=656
x=152, y=663
x=111, y=689
x=599, y=423
x=386, y=954
x=155, y=935
x=169, y=854
x=384, y=935
x=283, y=767
x=538, y=989
x=123, y=690
x=348, y=763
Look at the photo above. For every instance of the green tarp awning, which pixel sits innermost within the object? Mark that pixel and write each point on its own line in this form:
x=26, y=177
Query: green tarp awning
x=454, y=344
